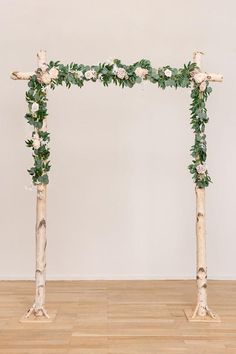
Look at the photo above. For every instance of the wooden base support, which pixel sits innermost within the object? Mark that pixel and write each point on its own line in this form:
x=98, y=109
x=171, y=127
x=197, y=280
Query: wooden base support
x=189, y=315
x=38, y=319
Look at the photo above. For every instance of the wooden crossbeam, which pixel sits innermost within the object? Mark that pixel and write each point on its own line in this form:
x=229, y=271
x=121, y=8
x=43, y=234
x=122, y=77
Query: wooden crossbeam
x=197, y=57
x=21, y=75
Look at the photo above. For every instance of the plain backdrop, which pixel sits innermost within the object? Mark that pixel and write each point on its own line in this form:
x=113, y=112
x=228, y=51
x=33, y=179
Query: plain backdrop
x=121, y=201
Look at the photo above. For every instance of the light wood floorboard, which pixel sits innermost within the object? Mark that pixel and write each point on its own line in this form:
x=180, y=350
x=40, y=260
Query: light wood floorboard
x=117, y=317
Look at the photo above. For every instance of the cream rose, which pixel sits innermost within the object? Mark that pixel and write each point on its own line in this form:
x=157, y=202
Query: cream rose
x=36, y=141
x=45, y=78
x=121, y=73
x=140, y=72
x=53, y=72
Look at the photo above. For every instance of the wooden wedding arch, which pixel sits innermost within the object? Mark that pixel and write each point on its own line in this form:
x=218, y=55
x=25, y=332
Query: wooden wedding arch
x=37, y=312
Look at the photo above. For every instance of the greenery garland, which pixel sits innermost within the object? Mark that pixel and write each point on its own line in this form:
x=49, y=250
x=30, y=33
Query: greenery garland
x=113, y=71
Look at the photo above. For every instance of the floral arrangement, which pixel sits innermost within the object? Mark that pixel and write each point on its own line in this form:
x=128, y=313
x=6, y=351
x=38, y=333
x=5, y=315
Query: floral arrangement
x=113, y=71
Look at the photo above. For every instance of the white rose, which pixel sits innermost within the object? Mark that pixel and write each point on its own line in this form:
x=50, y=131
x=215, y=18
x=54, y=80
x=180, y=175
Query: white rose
x=34, y=107
x=168, y=73
x=140, y=72
x=200, y=77
x=201, y=169
x=36, y=141
x=90, y=74
x=100, y=77
x=115, y=69
x=121, y=73
x=203, y=86
x=53, y=72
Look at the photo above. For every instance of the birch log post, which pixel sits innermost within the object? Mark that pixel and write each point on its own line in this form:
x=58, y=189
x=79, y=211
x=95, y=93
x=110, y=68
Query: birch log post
x=202, y=308
x=40, y=230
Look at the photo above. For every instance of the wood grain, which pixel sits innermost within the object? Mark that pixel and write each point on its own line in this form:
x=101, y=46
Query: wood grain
x=117, y=317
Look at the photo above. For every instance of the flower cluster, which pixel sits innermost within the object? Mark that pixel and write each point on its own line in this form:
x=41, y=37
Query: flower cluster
x=37, y=104
x=113, y=71
x=199, y=119
x=140, y=72
x=47, y=76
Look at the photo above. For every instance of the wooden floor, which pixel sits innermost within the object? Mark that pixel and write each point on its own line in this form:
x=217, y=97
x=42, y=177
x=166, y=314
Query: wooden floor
x=117, y=317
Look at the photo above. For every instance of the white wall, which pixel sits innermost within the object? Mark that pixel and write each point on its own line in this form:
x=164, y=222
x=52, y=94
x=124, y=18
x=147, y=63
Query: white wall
x=121, y=200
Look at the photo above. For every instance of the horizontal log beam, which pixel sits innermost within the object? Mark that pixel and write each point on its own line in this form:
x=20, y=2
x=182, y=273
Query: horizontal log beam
x=18, y=75
x=214, y=77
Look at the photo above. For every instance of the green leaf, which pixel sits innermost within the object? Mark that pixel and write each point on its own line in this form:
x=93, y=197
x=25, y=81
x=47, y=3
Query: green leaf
x=43, y=179
x=209, y=89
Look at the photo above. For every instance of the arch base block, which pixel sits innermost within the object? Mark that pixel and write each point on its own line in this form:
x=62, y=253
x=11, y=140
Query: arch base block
x=189, y=315
x=38, y=319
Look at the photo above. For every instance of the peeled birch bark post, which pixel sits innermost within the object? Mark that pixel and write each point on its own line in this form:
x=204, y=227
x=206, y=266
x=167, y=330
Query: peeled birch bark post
x=38, y=309
x=202, y=312
x=202, y=306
